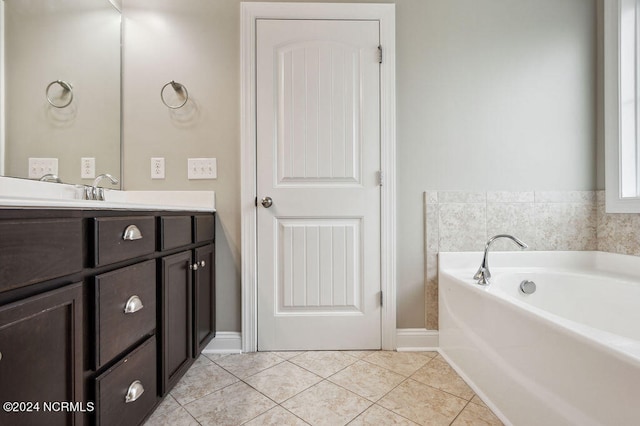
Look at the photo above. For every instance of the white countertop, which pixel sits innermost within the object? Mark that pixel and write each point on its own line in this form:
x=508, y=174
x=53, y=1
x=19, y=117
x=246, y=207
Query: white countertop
x=23, y=193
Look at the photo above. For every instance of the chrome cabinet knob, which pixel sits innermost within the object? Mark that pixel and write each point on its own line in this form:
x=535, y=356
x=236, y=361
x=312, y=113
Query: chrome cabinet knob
x=267, y=202
x=134, y=392
x=134, y=304
x=194, y=267
x=202, y=264
x=0, y=356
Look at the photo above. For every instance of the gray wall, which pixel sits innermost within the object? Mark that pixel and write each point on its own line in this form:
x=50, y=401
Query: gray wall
x=491, y=95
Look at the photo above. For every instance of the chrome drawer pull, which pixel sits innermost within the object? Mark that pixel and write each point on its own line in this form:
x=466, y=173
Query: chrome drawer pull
x=134, y=392
x=134, y=304
x=132, y=233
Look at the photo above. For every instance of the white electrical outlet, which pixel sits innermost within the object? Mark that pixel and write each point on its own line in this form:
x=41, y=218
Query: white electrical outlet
x=87, y=168
x=39, y=167
x=157, y=168
x=202, y=168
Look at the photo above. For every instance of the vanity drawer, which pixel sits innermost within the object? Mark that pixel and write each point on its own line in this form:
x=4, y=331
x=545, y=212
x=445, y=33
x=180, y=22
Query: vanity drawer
x=34, y=250
x=137, y=371
x=117, y=239
x=125, y=309
x=204, y=228
x=175, y=231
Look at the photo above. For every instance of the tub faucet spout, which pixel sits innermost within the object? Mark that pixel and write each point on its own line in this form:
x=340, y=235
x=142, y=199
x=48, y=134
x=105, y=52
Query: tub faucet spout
x=484, y=275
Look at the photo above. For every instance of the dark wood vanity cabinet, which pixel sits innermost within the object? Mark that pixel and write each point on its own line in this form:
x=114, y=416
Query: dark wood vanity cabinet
x=188, y=299
x=204, y=314
x=108, y=314
x=41, y=358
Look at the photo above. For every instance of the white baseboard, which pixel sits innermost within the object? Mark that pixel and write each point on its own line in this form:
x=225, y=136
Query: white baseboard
x=407, y=339
x=225, y=342
x=416, y=340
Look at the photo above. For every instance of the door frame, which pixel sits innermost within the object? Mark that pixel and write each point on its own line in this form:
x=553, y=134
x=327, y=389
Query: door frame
x=384, y=13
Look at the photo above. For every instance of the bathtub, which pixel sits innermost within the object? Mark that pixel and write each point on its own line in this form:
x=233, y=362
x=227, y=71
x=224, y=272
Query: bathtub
x=567, y=354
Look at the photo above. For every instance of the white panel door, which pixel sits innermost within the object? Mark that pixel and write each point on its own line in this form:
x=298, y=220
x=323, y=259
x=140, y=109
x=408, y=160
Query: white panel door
x=318, y=157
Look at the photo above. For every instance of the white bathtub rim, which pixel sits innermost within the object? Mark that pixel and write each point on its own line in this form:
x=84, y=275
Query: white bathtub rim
x=619, y=346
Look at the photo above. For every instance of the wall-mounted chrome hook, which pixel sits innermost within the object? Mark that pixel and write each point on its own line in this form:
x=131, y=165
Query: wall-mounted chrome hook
x=177, y=87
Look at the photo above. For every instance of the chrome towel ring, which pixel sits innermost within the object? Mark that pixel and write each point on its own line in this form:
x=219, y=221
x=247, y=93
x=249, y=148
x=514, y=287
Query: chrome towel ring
x=66, y=87
x=177, y=87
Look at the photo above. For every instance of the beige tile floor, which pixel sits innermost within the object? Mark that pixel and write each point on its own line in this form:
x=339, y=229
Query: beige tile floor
x=322, y=388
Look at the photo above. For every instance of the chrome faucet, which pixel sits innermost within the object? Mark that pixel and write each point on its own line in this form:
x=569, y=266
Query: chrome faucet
x=50, y=177
x=93, y=192
x=484, y=275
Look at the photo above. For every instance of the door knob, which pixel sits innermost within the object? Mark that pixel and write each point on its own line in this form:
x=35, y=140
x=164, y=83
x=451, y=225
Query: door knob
x=266, y=202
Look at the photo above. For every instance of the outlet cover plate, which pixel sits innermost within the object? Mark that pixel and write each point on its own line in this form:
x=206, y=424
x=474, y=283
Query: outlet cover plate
x=87, y=168
x=39, y=167
x=157, y=168
x=202, y=168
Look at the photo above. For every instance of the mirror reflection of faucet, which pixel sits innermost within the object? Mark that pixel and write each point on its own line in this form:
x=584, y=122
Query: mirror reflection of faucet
x=96, y=193
x=484, y=275
x=50, y=177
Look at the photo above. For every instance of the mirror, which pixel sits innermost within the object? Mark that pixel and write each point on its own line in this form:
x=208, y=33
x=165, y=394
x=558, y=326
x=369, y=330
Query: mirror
x=61, y=89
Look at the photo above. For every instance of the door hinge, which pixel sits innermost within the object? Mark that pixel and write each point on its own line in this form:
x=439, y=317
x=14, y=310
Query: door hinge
x=380, y=178
x=379, y=54
x=381, y=299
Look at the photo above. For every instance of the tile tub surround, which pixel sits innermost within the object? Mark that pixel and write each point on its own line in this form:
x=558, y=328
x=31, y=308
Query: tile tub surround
x=463, y=221
x=322, y=388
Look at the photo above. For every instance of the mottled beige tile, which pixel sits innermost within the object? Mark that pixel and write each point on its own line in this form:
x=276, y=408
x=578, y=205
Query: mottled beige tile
x=201, y=361
x=323, y=363
x=215, y=356
x=245, y=365
x=177, y=417
x=462, y=227
x=403, y=363
x=430, y=197
x=565, y=197
x=440, y=375
x=288, y=354
x=510, y=197
x=232, y=405
x=618, y=232
x=367, y=380
x=283, y=381
x=378, y=416
x=564, y=226
x=358, y=354
x=326, y=404
x=431, y=226
x=167, y=405
x=198, y=382
x=517, y=219
x=423, y=404
x=462, y=197
x=277, y=416
x=431, y=307
x=476, y=415
x=476, y=400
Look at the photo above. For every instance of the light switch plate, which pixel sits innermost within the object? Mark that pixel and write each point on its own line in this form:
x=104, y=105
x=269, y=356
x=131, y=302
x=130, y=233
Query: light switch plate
x=39, y=167
x=157, y=168
x=202, y=168
x=87, y=168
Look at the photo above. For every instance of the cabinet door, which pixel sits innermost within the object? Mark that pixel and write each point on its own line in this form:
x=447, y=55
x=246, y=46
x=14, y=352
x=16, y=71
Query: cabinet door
x=41, y=356
x=204, y=298
x=177, y=317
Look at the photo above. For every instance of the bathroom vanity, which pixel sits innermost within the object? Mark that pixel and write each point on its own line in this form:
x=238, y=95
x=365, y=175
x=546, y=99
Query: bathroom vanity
x=101, y=310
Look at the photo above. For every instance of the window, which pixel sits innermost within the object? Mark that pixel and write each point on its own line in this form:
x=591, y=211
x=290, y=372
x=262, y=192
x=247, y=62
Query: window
x=622, y=109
